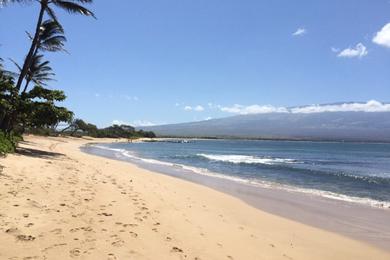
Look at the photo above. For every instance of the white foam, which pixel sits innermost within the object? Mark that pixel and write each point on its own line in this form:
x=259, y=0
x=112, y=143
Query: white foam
x=256, y=183
x=248, y=159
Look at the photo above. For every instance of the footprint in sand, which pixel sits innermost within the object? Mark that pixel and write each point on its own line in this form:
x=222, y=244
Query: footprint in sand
x=111, y=257
x=75, y=252
x=133, y=234
x=177, y=250
x=25, y=238
x=118, y=243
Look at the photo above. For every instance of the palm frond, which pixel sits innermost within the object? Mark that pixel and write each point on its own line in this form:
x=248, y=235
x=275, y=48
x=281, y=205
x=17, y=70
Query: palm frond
x=52, y=14
x=40, y=71
x=74, y=8
x=51, y=37
x=16, y=64
x=29, y=35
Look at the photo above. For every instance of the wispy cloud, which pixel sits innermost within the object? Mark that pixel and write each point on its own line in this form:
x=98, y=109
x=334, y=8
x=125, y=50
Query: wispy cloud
x=130, y=98
x=253, y=109
x=300, y=32
x=335, y=50
x=370, y=106
x=383, y=36
x=143, y=123
x=197, y=108
x=358, y=51
x=134, y=123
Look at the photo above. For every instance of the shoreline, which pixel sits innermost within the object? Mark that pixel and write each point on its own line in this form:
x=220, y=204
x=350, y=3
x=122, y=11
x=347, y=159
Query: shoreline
x=167, y=168
x=59, y=203
x=338, y=216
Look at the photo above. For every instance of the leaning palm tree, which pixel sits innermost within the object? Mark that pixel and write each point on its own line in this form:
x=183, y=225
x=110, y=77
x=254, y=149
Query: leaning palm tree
x=46, y=7
x=51, y=38
x=39, y=72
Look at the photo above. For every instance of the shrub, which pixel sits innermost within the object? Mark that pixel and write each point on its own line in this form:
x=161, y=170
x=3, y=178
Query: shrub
x=8, y=143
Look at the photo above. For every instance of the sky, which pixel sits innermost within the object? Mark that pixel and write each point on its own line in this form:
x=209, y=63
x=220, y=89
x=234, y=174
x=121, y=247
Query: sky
x=156, y=62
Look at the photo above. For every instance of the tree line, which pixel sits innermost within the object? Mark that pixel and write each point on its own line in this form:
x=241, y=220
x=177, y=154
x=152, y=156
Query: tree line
x=79, y=127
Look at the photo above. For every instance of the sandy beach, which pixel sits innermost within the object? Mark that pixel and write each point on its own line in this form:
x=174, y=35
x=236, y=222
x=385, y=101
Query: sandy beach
x=57, y=202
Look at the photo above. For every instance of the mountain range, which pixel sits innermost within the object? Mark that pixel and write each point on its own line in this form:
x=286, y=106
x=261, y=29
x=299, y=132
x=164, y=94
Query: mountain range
x=326, y=126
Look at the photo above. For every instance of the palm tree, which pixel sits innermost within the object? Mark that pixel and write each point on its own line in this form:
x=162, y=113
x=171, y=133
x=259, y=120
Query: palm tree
x=40, y=72
x=46, y=7
x=51, y=38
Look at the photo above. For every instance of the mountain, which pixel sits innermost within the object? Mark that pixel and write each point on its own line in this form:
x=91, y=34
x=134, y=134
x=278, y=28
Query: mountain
x=338, y=126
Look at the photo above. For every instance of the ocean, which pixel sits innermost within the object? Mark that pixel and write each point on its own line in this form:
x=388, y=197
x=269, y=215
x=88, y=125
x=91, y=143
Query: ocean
x=351, y=172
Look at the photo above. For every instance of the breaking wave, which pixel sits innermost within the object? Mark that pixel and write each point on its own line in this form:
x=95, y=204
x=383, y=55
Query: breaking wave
x=248, y=159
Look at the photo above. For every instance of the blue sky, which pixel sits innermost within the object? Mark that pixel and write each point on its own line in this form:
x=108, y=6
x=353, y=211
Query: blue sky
x=183, y=60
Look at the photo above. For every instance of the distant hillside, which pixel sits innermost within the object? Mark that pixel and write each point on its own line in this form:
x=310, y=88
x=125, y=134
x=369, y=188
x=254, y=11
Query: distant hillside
x=347, y=126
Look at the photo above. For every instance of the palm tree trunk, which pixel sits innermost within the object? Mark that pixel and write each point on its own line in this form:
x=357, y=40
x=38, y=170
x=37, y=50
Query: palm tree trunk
x=25, y=87
x=29, y=57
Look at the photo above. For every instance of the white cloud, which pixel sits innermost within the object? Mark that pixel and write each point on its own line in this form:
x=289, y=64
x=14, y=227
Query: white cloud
x=142, y=123
x=369, y=106
x=358, y=51
x=197, y=108
x=119, y=122
x=134, y=123
x=253, y=109
x=208, y=118
x=336, y=50
x=300, y=32
x=383, y=36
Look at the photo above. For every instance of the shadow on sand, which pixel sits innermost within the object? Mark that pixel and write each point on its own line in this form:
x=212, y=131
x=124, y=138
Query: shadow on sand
x=38, y=153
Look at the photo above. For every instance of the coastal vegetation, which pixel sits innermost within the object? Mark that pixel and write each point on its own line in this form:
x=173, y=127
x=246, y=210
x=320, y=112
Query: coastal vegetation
x=78, y=127
x=27, y=104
